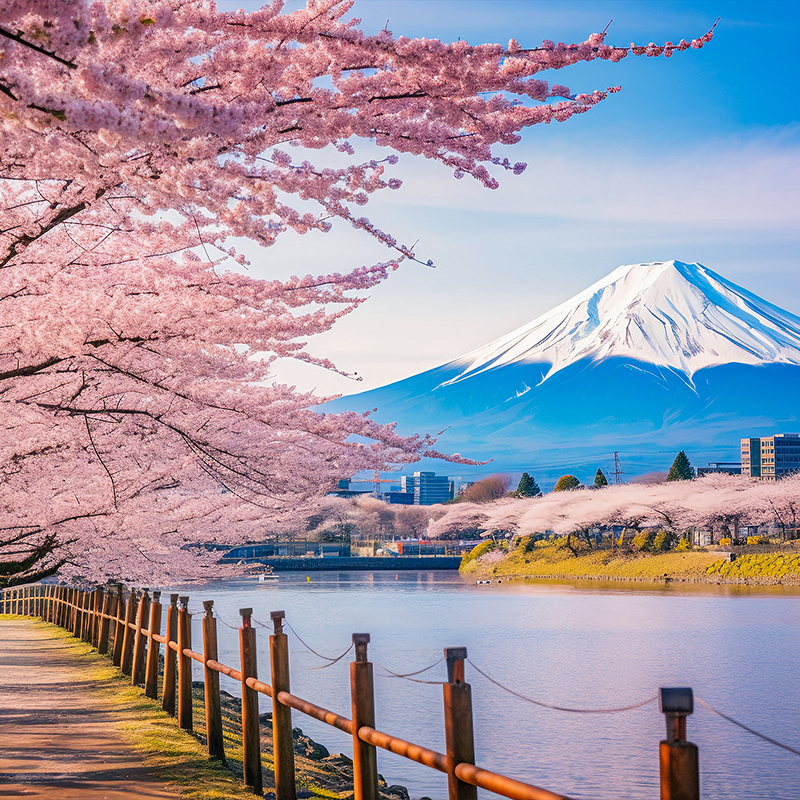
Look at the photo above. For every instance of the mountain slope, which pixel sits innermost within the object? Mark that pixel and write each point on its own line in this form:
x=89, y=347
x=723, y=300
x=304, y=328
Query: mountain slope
x=671, y=314
x=652, y=359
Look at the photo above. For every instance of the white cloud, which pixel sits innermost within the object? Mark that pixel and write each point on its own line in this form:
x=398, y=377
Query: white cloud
x=724, y=185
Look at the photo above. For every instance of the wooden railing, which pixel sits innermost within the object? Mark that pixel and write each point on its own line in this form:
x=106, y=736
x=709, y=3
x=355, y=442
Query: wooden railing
x=127, y=627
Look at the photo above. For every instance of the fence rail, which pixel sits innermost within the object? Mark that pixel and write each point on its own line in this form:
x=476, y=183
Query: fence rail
x=126, y=626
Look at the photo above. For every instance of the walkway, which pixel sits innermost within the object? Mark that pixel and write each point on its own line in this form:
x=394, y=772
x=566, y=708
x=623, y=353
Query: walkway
x=59, y=735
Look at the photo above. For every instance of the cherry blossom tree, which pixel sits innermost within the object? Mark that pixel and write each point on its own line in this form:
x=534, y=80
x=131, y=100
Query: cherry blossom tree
x=676, y=507
x=140, y=140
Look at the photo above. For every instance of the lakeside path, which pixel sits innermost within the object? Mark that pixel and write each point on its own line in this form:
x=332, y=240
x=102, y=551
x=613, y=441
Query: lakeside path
x=60, y=737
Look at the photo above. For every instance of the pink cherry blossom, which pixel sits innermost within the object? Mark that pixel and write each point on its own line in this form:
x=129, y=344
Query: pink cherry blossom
x=139, y=139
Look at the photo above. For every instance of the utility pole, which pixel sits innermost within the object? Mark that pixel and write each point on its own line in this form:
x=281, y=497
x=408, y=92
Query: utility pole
x=618, y=473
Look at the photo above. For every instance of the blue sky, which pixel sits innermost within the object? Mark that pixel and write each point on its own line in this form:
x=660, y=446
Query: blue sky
x=698, y=158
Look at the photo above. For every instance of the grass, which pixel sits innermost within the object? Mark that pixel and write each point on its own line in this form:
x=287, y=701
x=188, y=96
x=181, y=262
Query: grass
x=554, y=560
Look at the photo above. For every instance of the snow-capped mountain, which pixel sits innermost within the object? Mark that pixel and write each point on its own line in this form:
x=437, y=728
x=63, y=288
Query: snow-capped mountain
x=671, y=314
x=652, y=359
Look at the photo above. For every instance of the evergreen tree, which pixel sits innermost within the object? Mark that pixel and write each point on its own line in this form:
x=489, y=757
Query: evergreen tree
x=567, y=482
x=681, y=469
x=528, y=486
x=600, y=479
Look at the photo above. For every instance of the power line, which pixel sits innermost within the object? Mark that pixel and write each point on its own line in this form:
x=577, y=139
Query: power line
x=618, y=473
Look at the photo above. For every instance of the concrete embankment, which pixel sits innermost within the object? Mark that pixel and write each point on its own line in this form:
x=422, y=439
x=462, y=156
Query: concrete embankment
x=354, y=564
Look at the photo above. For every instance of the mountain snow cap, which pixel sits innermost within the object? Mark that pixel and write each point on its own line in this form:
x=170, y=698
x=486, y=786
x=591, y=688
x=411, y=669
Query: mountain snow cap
x=679, y=316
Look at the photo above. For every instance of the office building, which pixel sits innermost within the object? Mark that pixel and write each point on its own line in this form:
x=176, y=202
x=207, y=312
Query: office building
x=771, y=457
x=427, y=488
x=725, y=467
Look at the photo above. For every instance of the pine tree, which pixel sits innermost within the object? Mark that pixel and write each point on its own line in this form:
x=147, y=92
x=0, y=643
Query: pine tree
x=681, y=469
x=528, y=486
x=600, y=479
x=567, y=482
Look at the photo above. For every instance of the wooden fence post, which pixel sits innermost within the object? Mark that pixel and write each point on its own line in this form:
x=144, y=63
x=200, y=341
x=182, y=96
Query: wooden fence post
x=99, y=598
x=59, y=620
x=88, y=615
x=251, y=735
x=128, y=633
x=78, y=624
x=56, y=605
x=153, y=648
x=78, y=620
x=62, y=607
x=170, y=657
x=282, y=741
x=142, y=619
x=74, y=615
x=365, y=762
x=214, y=739
x=184, y=665
x=680, y=771
x=107, y=611
x=119, y=626
x=458, y=724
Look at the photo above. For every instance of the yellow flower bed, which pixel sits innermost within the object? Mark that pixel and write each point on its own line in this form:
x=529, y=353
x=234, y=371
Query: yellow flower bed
x=769, y=565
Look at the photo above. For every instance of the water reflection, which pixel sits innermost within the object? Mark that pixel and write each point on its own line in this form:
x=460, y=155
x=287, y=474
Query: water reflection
x=578, y=644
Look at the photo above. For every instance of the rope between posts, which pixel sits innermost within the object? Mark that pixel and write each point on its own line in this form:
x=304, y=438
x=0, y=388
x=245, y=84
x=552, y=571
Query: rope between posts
x=409, y=674
x=406, y=676
x=232, y=627
x=749, y=730
x=563, y=708
x=331, y=663
x=312, y=650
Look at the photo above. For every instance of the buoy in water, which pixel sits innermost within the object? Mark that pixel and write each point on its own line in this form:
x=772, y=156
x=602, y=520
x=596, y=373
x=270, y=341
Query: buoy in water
x=308, y=579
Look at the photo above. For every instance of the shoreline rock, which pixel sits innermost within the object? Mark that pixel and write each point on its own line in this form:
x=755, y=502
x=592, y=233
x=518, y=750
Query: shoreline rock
x=319, y=773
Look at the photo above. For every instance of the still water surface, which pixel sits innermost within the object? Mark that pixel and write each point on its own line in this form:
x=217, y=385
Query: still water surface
x=562, y=644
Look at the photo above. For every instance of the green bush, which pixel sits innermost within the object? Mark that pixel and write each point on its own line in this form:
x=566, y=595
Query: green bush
x=478, y=551
x=643, y=541
x=566, y=483
x=663, y=541
x=527, y=544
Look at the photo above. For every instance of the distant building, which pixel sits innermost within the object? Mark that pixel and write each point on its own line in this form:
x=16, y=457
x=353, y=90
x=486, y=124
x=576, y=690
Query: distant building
x=771, y=457
x=427, y=488
x=396, y=497
x=726, y=467
x=344, y=489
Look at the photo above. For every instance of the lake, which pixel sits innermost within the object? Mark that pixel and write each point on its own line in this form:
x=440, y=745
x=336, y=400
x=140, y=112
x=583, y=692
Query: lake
x=584, y=646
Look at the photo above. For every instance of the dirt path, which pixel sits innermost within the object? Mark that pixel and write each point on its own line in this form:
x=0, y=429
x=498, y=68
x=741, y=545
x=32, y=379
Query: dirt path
x=59, y=736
